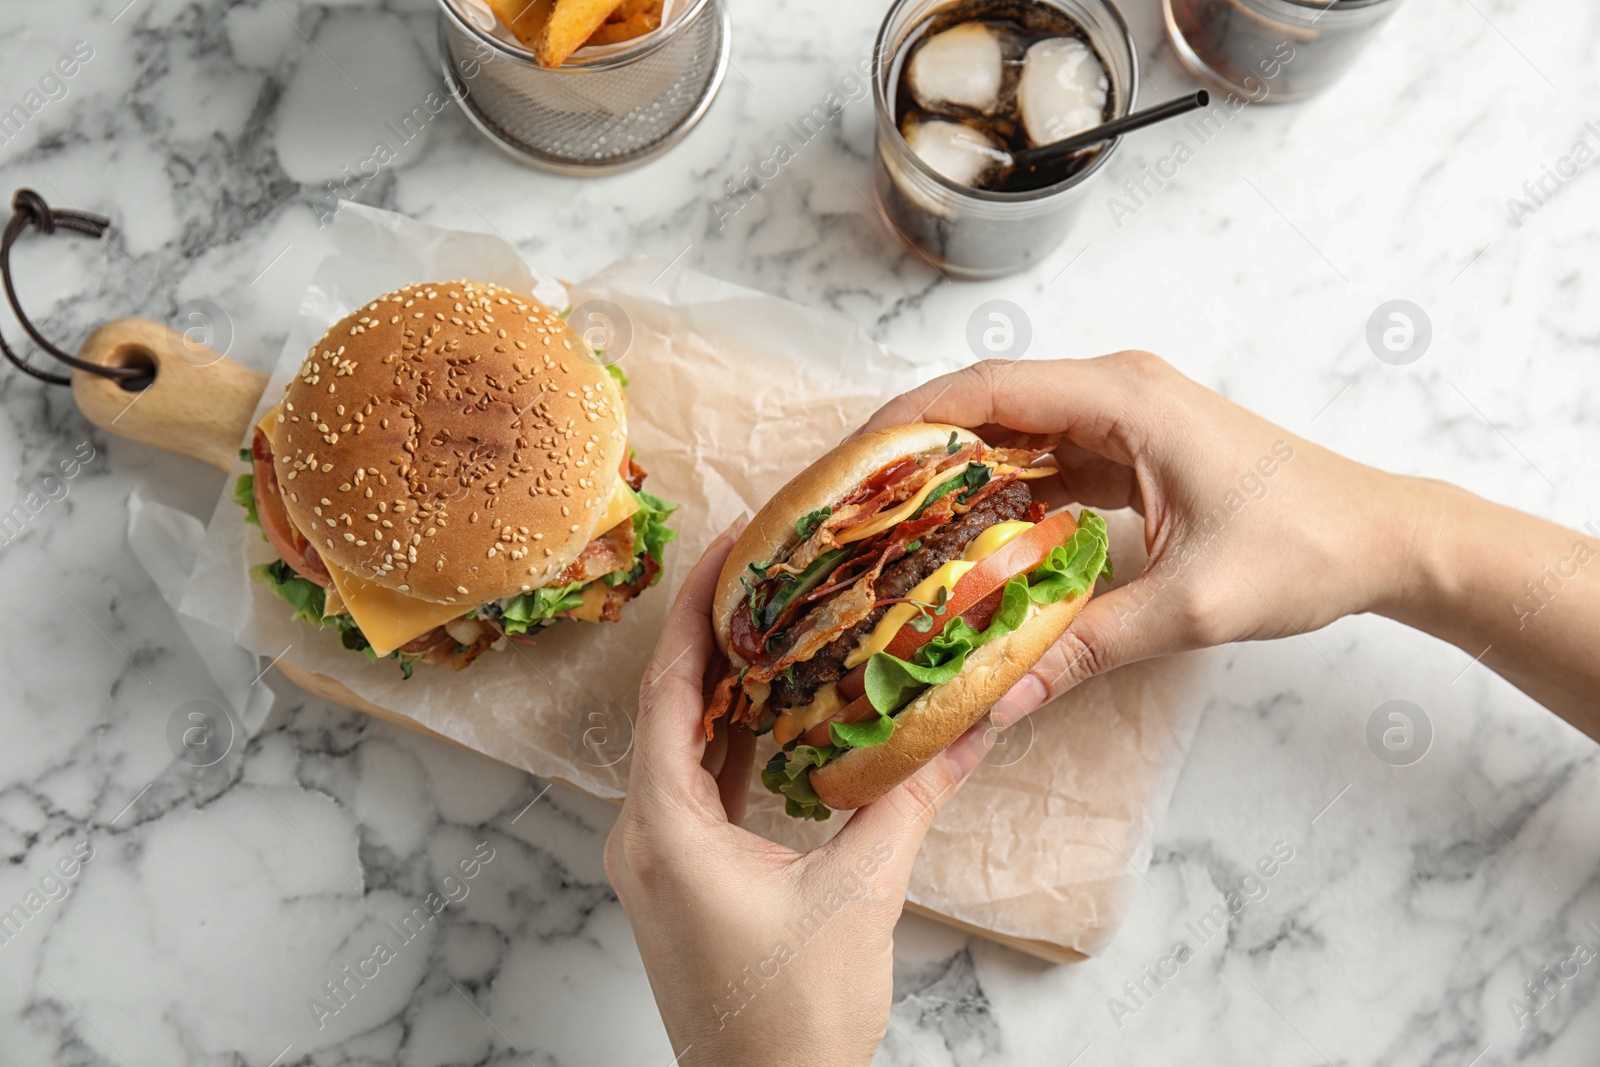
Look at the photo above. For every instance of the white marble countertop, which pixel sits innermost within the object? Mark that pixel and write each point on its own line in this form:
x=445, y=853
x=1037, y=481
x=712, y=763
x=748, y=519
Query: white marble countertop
x=214, y=905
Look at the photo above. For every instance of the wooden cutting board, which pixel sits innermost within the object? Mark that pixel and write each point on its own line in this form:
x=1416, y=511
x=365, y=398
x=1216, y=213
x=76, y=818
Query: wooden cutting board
x=200, y=404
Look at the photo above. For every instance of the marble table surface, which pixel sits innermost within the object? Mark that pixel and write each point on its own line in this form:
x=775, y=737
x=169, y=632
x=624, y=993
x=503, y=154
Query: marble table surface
x=187, y=917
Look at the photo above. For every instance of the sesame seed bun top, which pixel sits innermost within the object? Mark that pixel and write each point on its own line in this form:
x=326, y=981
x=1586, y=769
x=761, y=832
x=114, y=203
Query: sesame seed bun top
x=455, y=441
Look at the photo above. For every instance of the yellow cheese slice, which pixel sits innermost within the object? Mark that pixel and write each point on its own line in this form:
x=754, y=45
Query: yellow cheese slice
x=982, y=547
x=269, y=420
x=1025, y=473
x=621, y=506
x=332, y=603
x=993, y=540
x=898, y=615
x=594, y=598
x=905, y=510
x=388, y=617
x=891, y=518
x=795, y=721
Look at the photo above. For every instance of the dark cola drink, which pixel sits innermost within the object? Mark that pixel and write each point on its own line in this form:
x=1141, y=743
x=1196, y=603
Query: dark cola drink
x=966, y=87
x=984, y=80
x=1272, y=51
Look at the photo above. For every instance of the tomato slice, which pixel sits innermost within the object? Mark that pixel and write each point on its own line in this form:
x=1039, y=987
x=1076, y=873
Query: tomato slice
x=1017, y=556
x=854, y=684
x=289, y=543
x=975, y=598
x=858, y=710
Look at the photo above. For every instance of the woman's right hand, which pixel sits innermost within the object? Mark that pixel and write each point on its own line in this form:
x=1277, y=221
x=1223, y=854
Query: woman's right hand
x=1252, y=532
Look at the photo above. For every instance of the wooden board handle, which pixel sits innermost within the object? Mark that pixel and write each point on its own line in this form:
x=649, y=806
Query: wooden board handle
x=199, y=402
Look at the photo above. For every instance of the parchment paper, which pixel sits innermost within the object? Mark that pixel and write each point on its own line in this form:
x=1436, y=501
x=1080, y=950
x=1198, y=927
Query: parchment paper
x=732, y=392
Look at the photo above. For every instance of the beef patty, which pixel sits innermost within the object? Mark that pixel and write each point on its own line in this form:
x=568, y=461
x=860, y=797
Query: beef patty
x=1009, y=502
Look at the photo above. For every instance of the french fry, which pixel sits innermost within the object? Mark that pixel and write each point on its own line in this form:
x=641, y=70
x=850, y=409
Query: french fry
x=625, y=30
x=571, y=23
x=524, y=18
x=631, y=8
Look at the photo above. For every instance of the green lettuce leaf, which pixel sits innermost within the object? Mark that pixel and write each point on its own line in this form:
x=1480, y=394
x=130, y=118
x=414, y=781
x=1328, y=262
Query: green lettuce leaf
x=811, y=520
x=891, y=682
x=1069, y=570
x=1072, y=568
x=309, y=599
x=616, y=373
x=861, y=734
x=789, y=775
x=650, y=530
x=525, y=611
x=303, y=595
x=244, y=494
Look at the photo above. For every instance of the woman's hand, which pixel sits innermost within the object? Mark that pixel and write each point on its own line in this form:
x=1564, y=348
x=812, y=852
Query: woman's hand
x=757, y=954
x=1252, y=532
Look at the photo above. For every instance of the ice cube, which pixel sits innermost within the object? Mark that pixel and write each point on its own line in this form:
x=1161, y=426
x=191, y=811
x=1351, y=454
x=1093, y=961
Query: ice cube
x=960, y=66
x=955, y=150
x=1063, y=89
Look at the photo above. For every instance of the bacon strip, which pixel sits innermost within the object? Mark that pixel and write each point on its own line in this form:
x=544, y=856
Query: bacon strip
x=843, y=602
x=618, y=595
x=611, y=551
x=453, y=651
x=721, y=702
x=936, y=468
x=830, y=619
x=848, y=516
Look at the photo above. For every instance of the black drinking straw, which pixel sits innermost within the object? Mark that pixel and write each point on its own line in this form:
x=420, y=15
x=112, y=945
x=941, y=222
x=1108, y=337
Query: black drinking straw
x=1033, y=158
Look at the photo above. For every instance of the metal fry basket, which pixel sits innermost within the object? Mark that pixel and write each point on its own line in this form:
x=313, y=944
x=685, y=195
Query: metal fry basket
x=593, y=115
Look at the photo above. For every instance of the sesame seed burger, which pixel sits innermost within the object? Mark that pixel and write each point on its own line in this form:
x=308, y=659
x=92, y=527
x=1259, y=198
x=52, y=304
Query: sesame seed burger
x=450, y=467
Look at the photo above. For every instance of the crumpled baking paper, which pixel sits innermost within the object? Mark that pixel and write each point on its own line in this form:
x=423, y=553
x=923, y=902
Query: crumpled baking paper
x=732, y=392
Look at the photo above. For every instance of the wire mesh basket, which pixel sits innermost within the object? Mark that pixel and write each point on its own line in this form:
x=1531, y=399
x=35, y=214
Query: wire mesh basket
x=591, y=115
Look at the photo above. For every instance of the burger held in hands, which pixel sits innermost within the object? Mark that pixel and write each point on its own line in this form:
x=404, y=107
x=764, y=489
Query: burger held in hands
x=885, y=599
x=450, y=469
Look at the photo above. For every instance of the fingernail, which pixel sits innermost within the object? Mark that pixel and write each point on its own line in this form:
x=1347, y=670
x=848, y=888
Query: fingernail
x=734, y=529
x=1006, y=713
x=1025, y=697
x=968, y=752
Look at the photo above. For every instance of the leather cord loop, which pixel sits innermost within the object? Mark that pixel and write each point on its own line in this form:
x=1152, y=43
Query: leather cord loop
x=28, y=208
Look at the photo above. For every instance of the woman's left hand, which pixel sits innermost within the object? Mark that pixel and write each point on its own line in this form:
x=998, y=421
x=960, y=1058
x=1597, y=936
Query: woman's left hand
x=757, y=953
